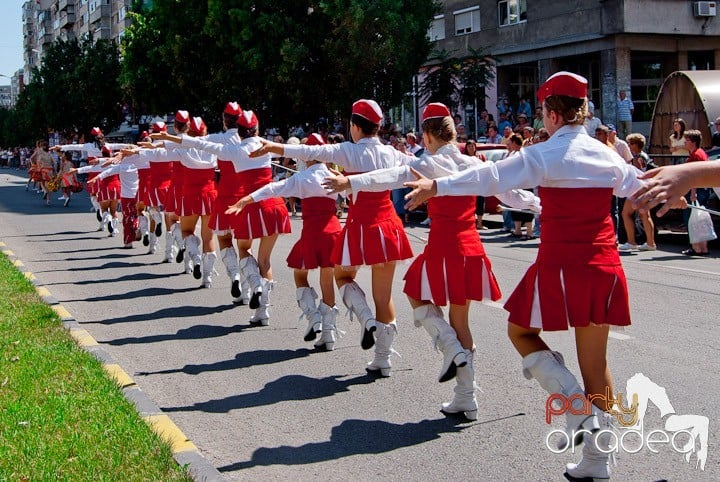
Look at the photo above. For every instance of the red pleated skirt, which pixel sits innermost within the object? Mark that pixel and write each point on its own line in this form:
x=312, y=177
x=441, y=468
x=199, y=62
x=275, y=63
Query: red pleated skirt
x=577, y=279
x=320, y=232
x=373, y=233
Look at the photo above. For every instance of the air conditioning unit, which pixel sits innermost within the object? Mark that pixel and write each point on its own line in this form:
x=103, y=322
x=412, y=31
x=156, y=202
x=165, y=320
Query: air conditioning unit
x=705, y=9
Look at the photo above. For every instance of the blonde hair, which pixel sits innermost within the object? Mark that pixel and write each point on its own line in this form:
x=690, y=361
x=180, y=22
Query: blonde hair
x=571, y=109
x=442, y=128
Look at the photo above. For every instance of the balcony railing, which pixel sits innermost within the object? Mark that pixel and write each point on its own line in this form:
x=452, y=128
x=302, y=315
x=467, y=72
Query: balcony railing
x=63, y=4
x=102, y=12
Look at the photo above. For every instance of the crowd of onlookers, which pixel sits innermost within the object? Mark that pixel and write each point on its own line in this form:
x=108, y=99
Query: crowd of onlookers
x=15, y=157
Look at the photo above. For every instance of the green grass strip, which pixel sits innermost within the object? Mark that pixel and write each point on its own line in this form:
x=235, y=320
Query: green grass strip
x=61, y=416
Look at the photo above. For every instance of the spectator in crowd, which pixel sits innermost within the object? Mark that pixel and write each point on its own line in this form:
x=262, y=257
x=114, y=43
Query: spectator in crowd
x=507, y=133
x=625, y=109
x=412, y=146
x=524, y=108
x=471, y=150
x=522, y=123
x=640, y=160
x=693, y=141
x=538, y=119
x=620, y=145
x=482, y=123
x=677, y=141
x=493, y=137
x=504, y=122
x=716, y=135
x=591, y=122
x=528, y=134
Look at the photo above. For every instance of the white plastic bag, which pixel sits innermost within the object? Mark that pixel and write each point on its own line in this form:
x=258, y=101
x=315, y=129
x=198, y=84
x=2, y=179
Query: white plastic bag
x=700, y=226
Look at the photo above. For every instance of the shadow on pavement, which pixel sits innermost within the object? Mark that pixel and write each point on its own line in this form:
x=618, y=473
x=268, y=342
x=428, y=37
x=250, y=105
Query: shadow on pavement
x=353, y=437
x=196, y=332
x=245, y=359
x=129, y=277
x=290, y=387
x=188, y=311
x=143, y=293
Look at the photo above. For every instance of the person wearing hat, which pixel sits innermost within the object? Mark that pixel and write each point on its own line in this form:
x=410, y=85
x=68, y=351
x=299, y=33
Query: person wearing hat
x=320, y=232
x=196, y=202
x=161, y=175
x=577, y=280
x=440, y=275
x=373, y=234
x=263, y=220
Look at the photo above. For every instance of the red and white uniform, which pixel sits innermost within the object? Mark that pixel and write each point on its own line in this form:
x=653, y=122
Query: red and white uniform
x=45, y=165
x=454, y=267
x=373, y=233
x=195, y=194
x=321, y=227
x=129, y=182
x=161, y=175
x=577, y=278
x=229, y=189
x=259, y=219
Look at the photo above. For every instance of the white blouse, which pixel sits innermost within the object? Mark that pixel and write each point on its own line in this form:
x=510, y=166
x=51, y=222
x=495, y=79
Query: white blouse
x=446, y=161
x=238, y=154
x=368, y=154
x=307, y=183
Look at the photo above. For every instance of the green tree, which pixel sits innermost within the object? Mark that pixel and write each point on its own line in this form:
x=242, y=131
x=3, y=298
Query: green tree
x=291, y=61
x=455, y=80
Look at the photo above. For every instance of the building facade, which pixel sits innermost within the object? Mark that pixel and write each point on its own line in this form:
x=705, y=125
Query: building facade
x=629, y=45
x=45, y=21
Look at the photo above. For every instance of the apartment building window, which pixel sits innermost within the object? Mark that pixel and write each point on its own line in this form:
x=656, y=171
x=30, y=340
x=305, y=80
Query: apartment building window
x=467, y=20
x=437, y=28
x=512, y=12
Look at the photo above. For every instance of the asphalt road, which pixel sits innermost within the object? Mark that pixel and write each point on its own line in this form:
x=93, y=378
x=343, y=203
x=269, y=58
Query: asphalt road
x=260, y=404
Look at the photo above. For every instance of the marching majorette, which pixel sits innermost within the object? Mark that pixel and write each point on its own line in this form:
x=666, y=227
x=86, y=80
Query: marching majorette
x=161, y=175
x=107, y=194
x=34, y=174
x=174, y=194
x=196, y=203
x=321, y=230
x=373, y=234
x=128, y=175
x=454, y=268
x=577, y=280
x=146, y=224
x=264, y=220
x=229, y=190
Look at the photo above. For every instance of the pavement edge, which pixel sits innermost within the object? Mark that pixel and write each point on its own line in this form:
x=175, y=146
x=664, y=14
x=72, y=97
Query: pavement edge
x=184, y=451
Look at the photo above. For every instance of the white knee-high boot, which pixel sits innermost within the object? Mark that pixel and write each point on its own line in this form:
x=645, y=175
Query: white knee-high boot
x=444, y=338
x=157, y=216
x=152, y=243
x=229, y=258
x=548, y=368
x=596, y=454
x=384, y=337
x=250, y=270
x=328, y=334
x=306, y=299
x=262, y=313
x=192, y=246
x=144, y=226
x=354, y=299
x=169, y=247
x=176, y=233
x=464, y=400
x=208, y=268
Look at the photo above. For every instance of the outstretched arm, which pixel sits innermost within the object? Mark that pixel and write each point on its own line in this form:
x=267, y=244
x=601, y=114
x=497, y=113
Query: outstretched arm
x=668, y=184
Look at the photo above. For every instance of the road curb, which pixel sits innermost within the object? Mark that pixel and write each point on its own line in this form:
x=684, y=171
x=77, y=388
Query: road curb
x=184, y=451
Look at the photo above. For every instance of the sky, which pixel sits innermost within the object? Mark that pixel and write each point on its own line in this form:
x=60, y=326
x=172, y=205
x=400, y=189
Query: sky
x=11, y=39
